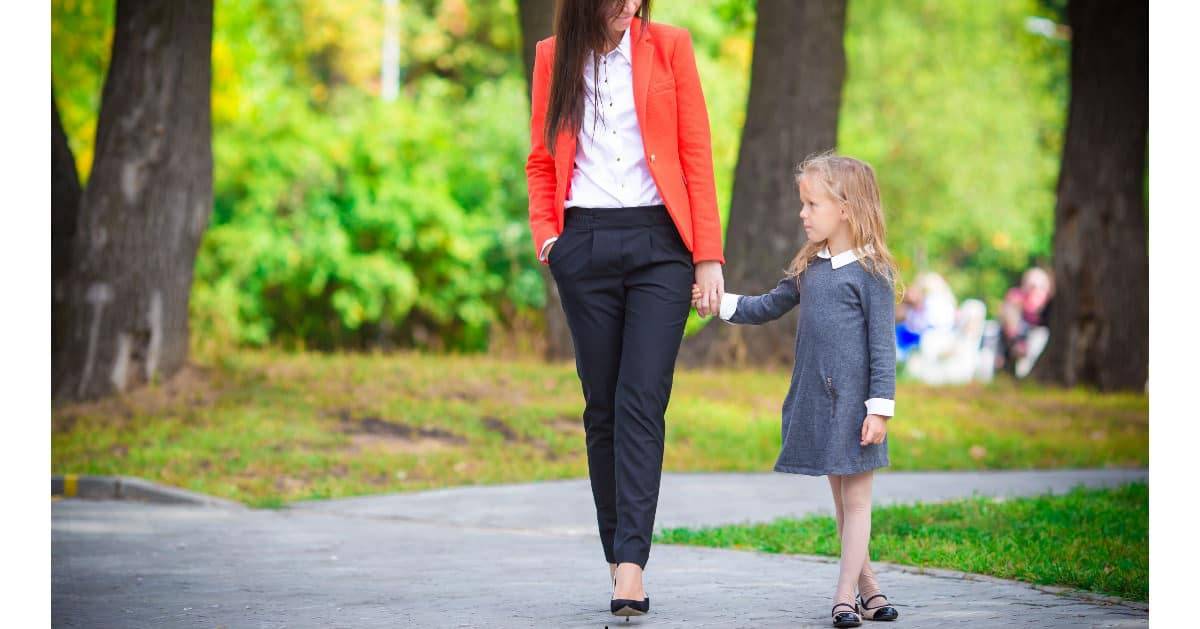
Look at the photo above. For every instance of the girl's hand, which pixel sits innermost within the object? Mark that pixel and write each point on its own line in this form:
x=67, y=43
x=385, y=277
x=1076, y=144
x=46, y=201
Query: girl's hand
x=874, y=429
x=712, y=287
x=696, y=296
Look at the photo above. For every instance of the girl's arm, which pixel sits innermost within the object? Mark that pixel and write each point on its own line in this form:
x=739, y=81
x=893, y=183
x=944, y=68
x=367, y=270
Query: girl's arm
x=758, y=309
x=539, y=166
x=879, y=307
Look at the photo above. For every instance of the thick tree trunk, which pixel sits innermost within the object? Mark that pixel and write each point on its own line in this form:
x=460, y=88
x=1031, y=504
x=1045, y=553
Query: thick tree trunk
x=537, y=22
x=795, y=93
x=64, y=213
x=146, y=204
x=1099, y=325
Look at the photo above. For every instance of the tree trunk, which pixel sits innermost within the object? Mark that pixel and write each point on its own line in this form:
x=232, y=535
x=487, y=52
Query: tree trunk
x=1099, y=324
x=537, y=22
x=146, y=205
x=795, y=93
x=64, y=212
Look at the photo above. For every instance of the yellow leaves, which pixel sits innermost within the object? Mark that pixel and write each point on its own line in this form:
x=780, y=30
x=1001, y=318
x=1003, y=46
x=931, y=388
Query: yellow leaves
x=737, y=50
x=454, y=16
x=344, y=37
x=320, y=93
x=226, y=83
x=1001, y=240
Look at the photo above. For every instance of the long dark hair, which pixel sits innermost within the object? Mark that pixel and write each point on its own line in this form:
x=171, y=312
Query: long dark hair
x=580, y=29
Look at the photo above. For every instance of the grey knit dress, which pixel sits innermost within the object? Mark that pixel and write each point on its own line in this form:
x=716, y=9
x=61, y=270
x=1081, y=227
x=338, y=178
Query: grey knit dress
x=845, y=356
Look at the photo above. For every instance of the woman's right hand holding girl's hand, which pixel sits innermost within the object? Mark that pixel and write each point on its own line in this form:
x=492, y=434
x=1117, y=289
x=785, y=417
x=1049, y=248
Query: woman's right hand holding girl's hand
x=696, y=297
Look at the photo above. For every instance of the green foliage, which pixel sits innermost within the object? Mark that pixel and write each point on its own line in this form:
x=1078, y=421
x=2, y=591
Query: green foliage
x=961, y=111
x=1093, y=539
x=80, y=39
x=367, y=222
x=342, y=221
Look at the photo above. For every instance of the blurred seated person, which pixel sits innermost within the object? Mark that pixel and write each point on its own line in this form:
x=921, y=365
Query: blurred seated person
x=928, y=305
x=1024, y=318
x=955, y=355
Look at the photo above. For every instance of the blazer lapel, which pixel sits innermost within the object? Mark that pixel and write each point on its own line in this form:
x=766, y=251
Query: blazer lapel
x=643, y=56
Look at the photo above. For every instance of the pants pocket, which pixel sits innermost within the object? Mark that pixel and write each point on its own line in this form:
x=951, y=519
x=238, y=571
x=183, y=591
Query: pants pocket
x=561, y=258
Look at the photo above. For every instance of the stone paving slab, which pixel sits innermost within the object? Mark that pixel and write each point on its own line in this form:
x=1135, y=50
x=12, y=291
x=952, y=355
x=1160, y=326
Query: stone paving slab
x=121, y=564
x=126, y=564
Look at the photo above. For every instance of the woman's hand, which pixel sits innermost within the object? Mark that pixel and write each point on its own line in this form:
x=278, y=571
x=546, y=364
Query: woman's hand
x=874, y=429
x=712, y=287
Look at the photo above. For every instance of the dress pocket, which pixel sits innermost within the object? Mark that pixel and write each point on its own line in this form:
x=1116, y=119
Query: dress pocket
x=831, y=391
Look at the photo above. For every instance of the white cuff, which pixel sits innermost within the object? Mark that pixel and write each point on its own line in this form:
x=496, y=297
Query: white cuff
x=881, y=406
x=542, y=254
x=729, y=302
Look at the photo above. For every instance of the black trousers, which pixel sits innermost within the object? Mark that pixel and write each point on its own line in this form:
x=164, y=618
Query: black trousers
x=625, y=278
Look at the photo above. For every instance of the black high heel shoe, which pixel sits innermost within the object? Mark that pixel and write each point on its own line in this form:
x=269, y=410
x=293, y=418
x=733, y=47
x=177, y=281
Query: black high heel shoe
x=626, y=607
x=879, y=612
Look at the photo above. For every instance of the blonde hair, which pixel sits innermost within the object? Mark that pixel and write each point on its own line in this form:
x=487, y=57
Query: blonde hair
x=852, y=183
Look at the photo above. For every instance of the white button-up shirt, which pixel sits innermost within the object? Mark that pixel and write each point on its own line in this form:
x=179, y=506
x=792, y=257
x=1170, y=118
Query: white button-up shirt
x=610, y=159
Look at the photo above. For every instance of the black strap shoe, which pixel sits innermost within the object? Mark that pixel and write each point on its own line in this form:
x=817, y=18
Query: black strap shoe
x=846, y=618
x=883, y=611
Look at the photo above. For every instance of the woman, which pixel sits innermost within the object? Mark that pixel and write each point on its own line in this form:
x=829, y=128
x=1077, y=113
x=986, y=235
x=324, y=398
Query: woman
x=623, y=209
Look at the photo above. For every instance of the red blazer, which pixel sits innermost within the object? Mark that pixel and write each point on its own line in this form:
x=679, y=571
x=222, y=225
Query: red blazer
x=674, y=124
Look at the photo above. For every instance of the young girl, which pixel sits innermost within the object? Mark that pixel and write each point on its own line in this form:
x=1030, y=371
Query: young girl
x=843, y=383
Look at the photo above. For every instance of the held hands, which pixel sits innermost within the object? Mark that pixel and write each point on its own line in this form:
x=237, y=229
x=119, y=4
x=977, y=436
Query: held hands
x=874, y=429
x=708, y=289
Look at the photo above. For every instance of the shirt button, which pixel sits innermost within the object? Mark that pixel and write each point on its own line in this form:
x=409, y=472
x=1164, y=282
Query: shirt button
x=652, y=157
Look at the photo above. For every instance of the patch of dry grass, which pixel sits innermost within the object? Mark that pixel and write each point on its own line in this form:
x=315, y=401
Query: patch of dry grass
x=268, y=427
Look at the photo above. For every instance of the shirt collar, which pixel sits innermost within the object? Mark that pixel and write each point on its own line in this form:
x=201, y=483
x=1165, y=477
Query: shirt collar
x=624, y=46
x=843, y=258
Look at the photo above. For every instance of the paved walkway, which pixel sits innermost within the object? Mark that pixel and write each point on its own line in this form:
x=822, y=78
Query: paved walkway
x=509, y=556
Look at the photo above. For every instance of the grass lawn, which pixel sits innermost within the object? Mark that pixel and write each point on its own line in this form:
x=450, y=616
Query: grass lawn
x=268, y=427
x=1091, y=539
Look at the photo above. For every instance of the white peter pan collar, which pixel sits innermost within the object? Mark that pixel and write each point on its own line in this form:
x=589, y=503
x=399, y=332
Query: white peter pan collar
x=843, y=258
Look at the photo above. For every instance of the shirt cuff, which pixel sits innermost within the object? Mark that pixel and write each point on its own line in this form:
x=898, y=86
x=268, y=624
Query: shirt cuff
x=729, y=302
x=881, y=406
x=542, y=254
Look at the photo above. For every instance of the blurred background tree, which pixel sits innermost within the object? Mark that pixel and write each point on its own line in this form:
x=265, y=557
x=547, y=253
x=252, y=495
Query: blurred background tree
x=343, y=221
x=792, y=112
x=124, y=245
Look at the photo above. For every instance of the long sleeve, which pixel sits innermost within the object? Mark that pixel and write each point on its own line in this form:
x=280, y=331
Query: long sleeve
x=758, y=309
x=879, y=308
x=539, y=166
x=695, y=153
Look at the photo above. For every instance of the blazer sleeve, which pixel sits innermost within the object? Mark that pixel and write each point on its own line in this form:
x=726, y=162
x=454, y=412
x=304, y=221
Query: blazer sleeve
x=758, y=309
x=695, y=153
x=539, y=166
